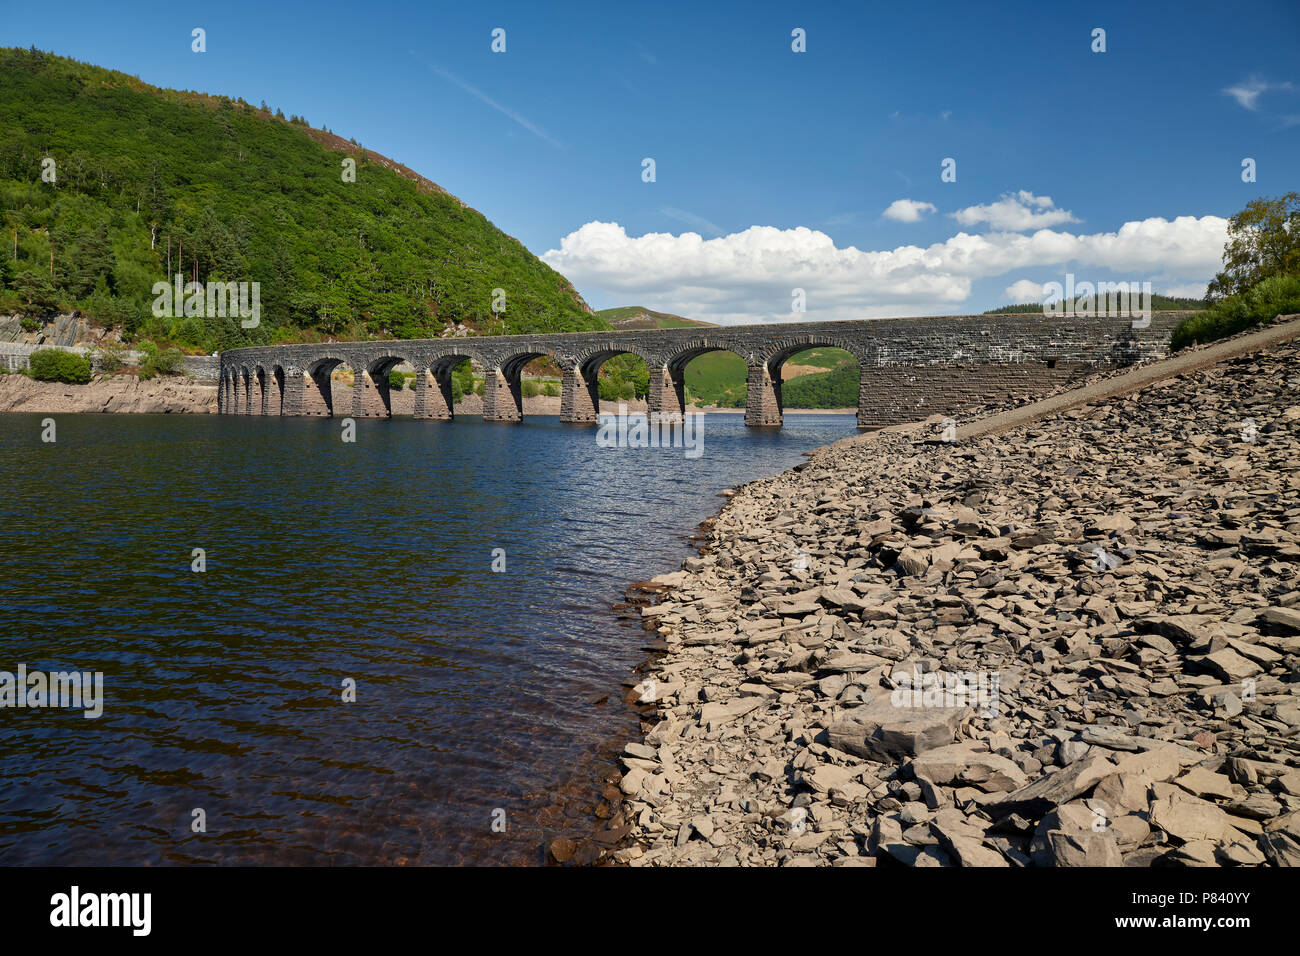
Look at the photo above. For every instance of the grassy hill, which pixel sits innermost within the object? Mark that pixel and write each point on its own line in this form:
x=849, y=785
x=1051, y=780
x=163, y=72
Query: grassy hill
x=834, y=389
x=634, y=317
x=226, y=191
x=718, y=378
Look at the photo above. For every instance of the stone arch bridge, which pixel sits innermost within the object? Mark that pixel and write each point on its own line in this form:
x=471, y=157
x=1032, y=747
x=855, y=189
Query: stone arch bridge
x=909, y=368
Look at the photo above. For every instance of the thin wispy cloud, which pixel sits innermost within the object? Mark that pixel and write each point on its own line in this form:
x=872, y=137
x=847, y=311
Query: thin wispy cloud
x=482, y=97
x=1248, y=92
x=683, y=215
x=840, y=219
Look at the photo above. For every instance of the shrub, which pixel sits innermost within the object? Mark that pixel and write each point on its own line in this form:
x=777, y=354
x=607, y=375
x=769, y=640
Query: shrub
x=56, y=365
x=30, y=324
x=462, y=381
x=396, y=380
x=112, y=357
x=1278, y=295
x=160, y=361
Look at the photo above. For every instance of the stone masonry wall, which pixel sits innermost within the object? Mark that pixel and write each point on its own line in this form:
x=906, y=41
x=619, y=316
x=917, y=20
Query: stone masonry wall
x=937, y=364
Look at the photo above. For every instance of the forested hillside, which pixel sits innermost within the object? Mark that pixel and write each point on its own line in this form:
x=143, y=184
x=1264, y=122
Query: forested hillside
x=1159, y=303
x=150, y=182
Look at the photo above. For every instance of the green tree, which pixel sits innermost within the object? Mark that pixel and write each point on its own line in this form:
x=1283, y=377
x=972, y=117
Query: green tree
x=38, y=291
x=88, y=263
x=462, y=381
x=1263, y=241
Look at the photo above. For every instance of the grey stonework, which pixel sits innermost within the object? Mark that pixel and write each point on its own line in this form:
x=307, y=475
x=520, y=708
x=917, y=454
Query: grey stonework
x=910, y=368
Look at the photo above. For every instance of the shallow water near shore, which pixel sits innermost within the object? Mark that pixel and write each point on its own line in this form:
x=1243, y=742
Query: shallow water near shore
x=479, y=695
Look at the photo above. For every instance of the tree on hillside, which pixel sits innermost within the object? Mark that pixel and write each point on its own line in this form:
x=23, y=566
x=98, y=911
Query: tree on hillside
x=37, y=289
x=86, y=261
x=1263, y=241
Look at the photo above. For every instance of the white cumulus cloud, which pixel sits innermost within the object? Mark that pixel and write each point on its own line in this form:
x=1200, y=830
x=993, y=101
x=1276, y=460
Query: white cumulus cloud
x=1193, y=290
x=750, y=276
x=1026, y=290
x=907, y=210
x=1016, y=212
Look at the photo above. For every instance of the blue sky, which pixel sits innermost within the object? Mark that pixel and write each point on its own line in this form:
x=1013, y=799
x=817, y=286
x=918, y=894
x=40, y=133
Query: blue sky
x=548, y=138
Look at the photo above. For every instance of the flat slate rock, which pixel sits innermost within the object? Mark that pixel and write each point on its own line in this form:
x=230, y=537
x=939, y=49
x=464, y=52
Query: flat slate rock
x=882, y=731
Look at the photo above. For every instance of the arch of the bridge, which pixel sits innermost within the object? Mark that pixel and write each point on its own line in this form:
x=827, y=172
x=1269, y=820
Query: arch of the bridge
x=589, y=361
x=667, y=392
x=434, y=397
x=580, y=378
x=447, y=362
x=371, y=391
x=513, y=365
x=764, y=402
x=330, y=361
x=778, y=353
x=503, y=399
x=385, y=364
x=318, y=374
x=677, y=360
x=258, y=377
x=272, y=388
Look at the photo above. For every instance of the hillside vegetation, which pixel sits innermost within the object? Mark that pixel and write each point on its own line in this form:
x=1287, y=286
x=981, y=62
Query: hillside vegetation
x=145, y=179
x=1159, y=303
x=718, y=378
x=633, y=317
x=1261, y=273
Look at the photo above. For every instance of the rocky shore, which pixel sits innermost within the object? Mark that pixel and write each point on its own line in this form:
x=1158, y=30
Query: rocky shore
x=1074, y=643
x=109, y=393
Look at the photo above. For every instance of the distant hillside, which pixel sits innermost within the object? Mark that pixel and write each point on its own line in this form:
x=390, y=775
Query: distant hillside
x=1159, y=303
x=226, y=191
x=834, y=389
x=632, y=317
x=718, y=378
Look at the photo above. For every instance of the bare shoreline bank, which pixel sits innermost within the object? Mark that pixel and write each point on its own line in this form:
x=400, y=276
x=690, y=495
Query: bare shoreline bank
x=127, y=394
x=817, y=591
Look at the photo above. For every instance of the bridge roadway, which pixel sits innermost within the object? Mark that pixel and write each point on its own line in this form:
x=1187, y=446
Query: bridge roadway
x=908, y=368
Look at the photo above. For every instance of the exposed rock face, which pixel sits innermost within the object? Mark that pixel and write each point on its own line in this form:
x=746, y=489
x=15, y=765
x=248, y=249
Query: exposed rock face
x=61, y=330
x=1073, y=644
x=112, y=393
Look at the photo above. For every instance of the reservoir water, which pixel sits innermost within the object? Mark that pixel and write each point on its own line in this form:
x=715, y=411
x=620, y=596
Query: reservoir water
x=479, y=695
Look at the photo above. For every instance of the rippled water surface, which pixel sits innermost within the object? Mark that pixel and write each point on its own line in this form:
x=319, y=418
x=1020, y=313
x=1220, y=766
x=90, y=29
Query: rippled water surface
x=475, y=691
